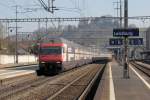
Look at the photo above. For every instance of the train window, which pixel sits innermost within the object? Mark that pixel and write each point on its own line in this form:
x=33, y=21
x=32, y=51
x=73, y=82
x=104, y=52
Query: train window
x=50, y=50
x=70, y=50
x=63, y=50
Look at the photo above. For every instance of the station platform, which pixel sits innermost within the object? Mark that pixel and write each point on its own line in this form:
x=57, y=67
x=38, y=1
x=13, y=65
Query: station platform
x=114, y=87
x=2, y=66
x=12, y=72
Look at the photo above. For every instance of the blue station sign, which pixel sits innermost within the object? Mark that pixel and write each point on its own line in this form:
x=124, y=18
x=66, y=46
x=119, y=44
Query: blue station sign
x=115, y=41
x=126, y=32
x=119, y=41
x=136, y=41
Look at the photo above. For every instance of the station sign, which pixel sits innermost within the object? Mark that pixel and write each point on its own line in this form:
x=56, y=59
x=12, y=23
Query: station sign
x=132, y=41
x=116, y=41
x=126, y=32
x=136, y=41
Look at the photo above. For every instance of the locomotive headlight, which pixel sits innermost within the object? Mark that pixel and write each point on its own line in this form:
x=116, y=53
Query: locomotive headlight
x=58, y=62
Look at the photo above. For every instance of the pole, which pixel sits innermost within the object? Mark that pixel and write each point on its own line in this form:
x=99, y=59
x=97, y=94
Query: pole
x=39, y=34
x=52, y=6
x=8, y=35
x=121, y=53
x=119, y=19
x=117, y=9
x=49, y=4
x=46, y=26
x=120, y=13
x=126, y=67
x=16, y=50
x=126, y=13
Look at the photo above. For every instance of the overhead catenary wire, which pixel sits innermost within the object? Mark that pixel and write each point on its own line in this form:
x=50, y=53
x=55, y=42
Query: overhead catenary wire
x=43, y=4
x=48, y=6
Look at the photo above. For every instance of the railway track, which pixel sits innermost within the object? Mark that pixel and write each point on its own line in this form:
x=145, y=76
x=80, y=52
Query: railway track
x=68, y=85
x=142, y=68
x=75, y=89
x=22, y=83
x=147, y=62
x=17, y=80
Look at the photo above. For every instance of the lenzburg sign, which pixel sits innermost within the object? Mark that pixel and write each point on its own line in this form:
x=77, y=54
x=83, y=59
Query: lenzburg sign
x=126, y=32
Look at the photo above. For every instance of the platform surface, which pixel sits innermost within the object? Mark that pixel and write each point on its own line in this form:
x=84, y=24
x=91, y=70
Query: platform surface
x=17, y=71
x=115, y=87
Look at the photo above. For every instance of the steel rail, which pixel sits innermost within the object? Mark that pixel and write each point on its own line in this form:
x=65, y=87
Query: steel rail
x=89, y=87
x=68, y=85
x=86, y=88
x=142, y=68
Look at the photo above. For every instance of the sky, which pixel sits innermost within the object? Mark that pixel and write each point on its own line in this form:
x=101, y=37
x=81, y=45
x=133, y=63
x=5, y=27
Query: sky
x=72, y=8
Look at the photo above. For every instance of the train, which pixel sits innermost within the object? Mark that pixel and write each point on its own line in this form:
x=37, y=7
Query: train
x=58, y=54
x=103, y=57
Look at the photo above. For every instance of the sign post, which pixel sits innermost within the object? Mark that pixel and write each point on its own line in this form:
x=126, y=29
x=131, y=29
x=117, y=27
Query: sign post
x=126, y=32
x=126, y=67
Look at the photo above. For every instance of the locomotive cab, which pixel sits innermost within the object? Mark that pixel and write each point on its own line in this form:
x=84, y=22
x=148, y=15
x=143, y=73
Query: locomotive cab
x=50, y=58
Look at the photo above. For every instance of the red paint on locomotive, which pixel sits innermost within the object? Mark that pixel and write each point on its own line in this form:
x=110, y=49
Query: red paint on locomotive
x=51, y=45
x=52, y=58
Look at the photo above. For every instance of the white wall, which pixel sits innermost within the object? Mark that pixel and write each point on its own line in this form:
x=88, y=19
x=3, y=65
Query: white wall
x=10, y=59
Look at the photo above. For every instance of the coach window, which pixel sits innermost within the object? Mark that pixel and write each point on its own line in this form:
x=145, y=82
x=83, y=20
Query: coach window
x=63, y=49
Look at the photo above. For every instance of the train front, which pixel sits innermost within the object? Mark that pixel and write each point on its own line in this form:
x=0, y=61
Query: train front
x=50, y=58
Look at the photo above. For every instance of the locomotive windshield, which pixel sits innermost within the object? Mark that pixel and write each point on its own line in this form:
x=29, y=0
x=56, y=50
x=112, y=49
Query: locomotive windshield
x=50, y=50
